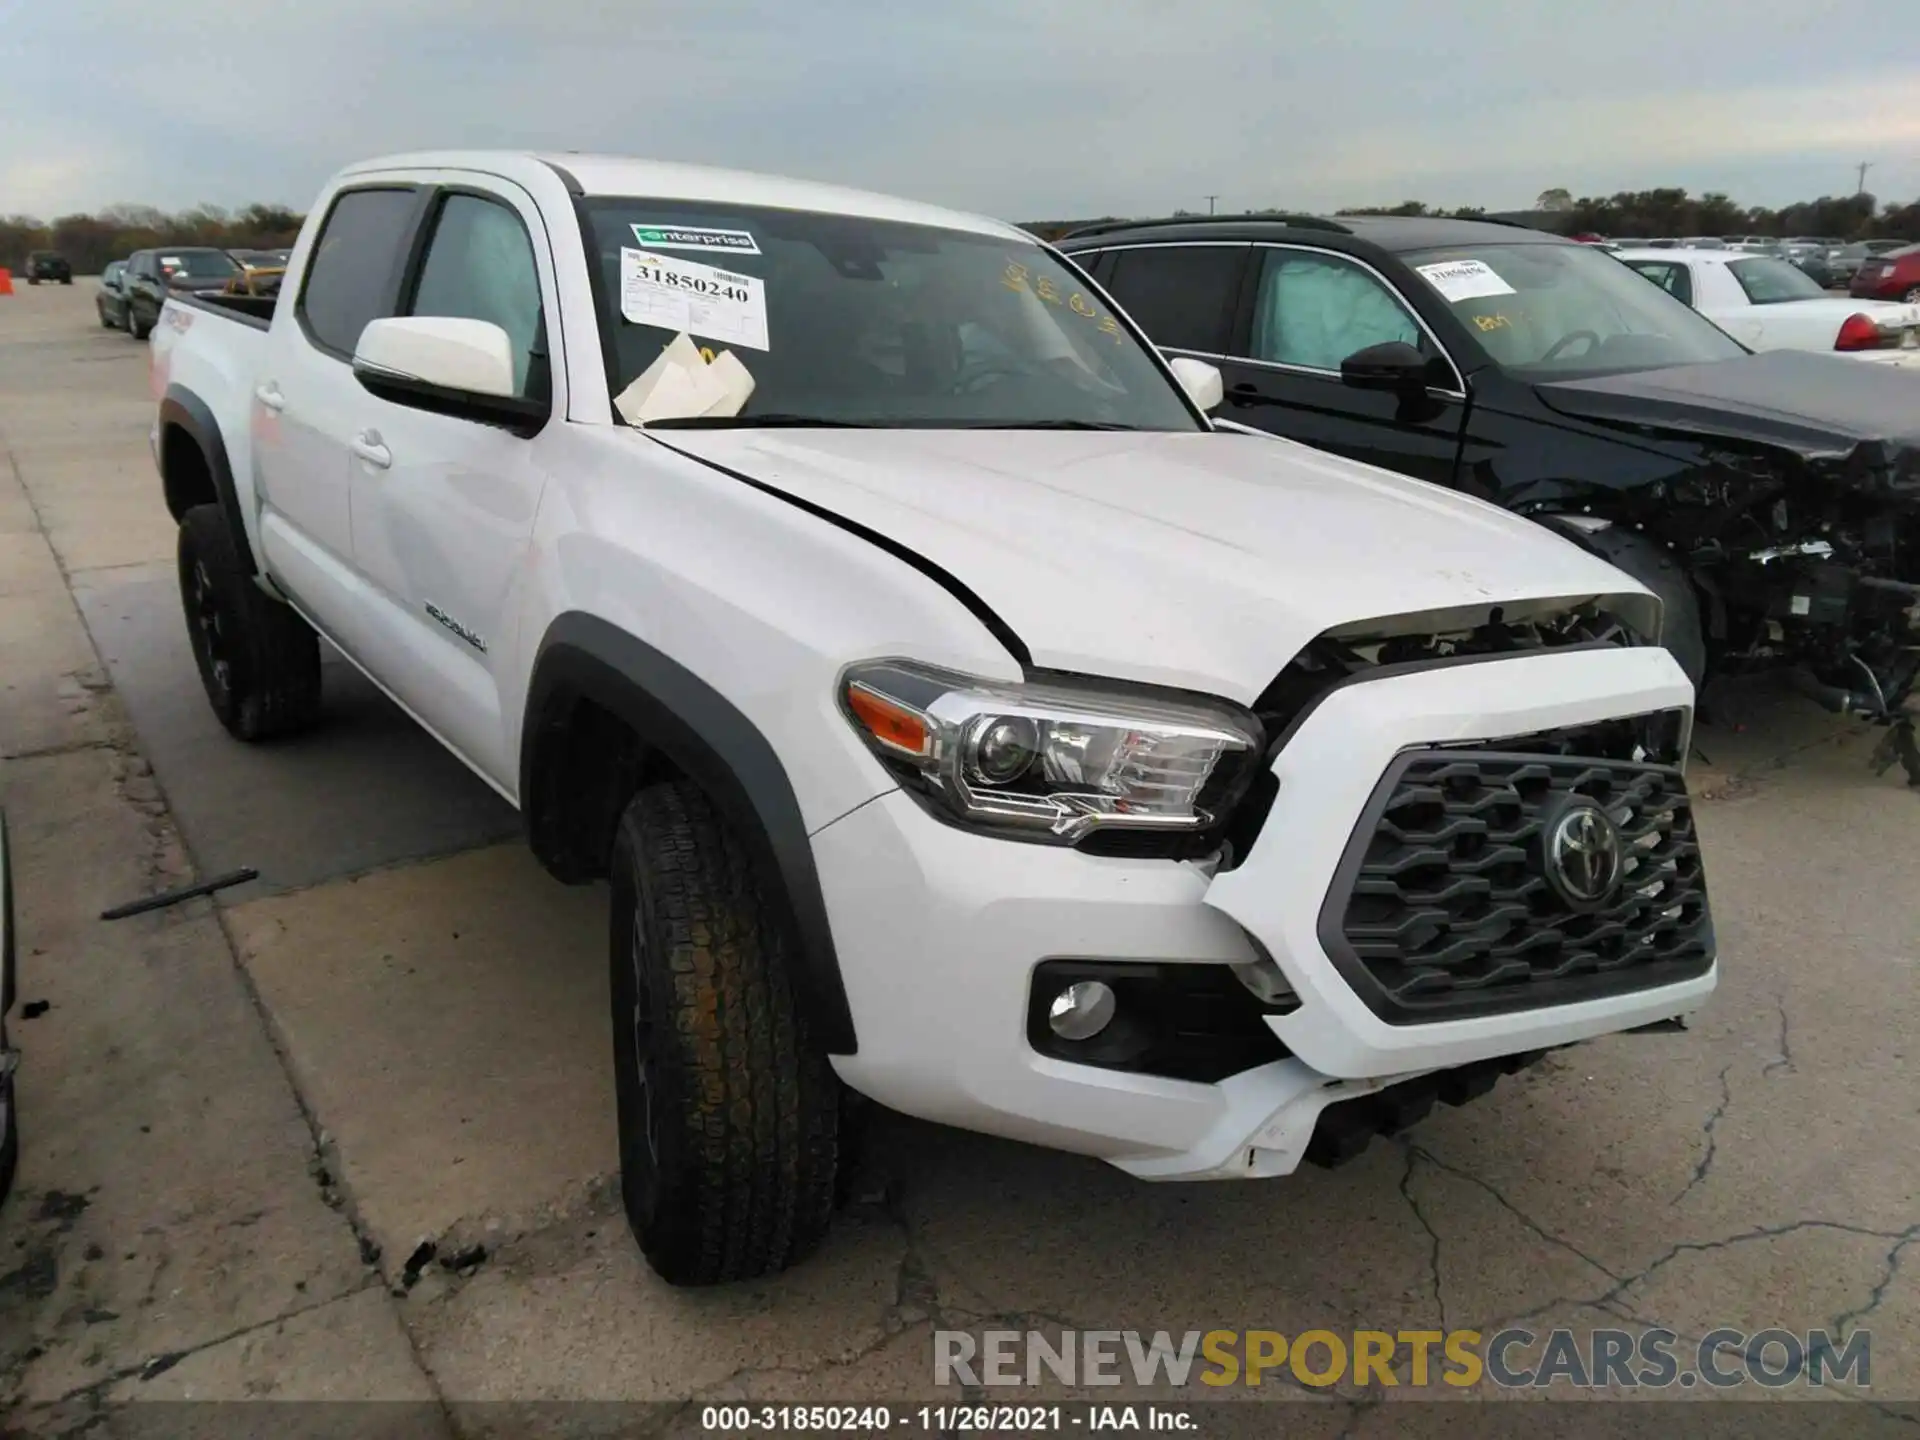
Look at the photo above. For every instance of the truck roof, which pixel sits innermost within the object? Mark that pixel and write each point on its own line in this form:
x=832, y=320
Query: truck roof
x=612, y=175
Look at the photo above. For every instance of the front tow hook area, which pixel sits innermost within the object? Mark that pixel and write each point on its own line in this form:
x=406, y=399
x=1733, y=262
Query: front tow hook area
x=1347, y=1127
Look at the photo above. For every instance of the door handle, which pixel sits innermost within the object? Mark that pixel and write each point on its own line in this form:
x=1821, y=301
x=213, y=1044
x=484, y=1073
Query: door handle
x=1245, y=393
x=269, y=395
x=368, y=447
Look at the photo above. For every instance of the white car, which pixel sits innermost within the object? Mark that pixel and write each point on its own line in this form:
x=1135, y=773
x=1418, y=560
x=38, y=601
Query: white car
x=1769, y=304
x=958, y=717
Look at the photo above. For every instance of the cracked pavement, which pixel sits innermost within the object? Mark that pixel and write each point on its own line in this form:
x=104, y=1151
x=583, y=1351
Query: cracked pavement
x=245, y=1116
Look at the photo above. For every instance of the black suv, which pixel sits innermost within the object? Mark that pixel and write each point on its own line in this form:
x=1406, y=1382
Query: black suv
x=48, y=265
x=1772, y=501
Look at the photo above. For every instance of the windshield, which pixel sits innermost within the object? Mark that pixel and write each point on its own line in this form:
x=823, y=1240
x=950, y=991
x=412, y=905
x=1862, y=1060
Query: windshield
x=842, y=320
x=1769, y=282
x=198, y=264
x=1550, y=312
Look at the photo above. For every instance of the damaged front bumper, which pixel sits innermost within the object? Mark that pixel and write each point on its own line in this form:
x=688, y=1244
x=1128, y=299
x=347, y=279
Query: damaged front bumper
x=953, y=944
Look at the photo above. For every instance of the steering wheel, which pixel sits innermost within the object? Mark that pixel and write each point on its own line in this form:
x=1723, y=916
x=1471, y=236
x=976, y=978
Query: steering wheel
x=1593, y=342
x=976, y=378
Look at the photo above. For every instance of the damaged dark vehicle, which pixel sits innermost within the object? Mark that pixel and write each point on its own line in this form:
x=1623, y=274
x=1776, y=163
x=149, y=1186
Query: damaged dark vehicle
x=1771, y=500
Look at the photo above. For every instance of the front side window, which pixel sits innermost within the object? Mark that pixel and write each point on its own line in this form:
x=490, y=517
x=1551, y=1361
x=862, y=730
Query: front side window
x=1671, y=277
x=1548, y=311
x=351, y=275
x=479, y=266
x=1770, y=282
x=846, y=320
x=1315, y=310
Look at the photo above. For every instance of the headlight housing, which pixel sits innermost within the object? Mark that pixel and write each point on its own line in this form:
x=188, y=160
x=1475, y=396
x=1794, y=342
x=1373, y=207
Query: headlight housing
x=1054, y=759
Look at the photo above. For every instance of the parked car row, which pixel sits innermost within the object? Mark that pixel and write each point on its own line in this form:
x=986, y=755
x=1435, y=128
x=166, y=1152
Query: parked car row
x=1829, y=262
x=1768, y=304
x=132, y=291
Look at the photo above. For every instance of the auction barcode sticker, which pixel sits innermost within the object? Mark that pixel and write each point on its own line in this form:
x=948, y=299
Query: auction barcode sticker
x=1464, y=279
x=703, y=300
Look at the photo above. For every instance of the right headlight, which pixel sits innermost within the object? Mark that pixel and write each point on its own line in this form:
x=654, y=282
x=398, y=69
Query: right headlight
x=1057, y=759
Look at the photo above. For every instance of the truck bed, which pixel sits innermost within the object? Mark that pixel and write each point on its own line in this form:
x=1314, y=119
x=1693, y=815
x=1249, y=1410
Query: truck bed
x=254, y=310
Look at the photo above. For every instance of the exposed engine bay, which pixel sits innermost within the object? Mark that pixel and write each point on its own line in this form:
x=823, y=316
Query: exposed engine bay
x=1817, y=579
x=1793, y=503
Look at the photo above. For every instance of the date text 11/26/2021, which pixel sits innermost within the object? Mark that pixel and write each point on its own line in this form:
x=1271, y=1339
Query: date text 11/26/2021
x=946, y=1419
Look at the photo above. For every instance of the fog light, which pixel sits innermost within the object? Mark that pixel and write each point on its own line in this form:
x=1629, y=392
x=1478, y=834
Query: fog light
x=1082, y=1010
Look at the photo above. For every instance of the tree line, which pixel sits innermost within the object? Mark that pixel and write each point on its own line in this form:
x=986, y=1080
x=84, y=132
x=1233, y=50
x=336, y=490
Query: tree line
x=1646, y=214
x=90, y=241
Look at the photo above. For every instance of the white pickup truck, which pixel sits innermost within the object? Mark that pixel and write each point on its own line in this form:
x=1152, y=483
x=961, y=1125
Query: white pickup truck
x=959, y=719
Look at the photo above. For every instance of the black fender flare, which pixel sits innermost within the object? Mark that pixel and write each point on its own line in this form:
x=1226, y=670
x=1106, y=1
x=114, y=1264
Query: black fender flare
x=181, y=409
x=1662, y=572
x=706, y=736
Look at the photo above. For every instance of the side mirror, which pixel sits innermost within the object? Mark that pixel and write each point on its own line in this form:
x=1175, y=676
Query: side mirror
x=1201, y=381
x=462, y=368
x=1395, y=366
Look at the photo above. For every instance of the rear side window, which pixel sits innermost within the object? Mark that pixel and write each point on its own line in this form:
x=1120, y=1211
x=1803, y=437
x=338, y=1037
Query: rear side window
x=351, y=277
x=1676, y=280
x=1181, y=295
x=1772, y=282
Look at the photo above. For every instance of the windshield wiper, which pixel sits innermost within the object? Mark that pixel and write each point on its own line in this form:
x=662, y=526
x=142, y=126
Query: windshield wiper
x=1046, y=425
x=770, y=421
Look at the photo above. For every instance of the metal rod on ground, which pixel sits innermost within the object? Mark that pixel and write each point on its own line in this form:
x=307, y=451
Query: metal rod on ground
x=174, y=897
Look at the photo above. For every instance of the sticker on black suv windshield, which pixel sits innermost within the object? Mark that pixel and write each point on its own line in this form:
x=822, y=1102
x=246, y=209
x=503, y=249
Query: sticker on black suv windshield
x=685, y=237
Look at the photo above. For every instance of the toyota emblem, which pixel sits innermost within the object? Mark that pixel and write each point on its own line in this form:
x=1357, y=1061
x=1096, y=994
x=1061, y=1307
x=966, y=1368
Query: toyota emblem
x=1583, y=854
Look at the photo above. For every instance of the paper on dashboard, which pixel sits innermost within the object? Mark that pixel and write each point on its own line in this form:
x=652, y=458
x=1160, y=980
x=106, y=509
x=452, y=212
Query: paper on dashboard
x=681, y=384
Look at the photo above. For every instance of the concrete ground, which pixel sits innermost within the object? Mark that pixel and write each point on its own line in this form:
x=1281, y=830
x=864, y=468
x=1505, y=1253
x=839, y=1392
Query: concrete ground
x=247, y=1119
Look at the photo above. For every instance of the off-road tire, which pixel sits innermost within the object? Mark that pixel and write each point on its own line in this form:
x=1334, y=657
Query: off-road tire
x=258, y=660
x=728, y=1111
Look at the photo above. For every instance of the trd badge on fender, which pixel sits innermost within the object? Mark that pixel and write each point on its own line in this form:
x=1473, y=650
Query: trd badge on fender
x=456, y=627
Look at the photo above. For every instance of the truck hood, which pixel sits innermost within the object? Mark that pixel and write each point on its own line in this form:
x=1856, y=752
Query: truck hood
x=1858, y=425
x=1204, y=561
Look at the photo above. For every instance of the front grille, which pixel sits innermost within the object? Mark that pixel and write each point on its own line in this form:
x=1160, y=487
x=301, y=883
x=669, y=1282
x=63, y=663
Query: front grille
x=1443, y=907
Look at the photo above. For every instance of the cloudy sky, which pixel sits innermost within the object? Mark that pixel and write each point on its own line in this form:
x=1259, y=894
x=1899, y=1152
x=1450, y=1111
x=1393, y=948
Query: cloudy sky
x=1022, y=108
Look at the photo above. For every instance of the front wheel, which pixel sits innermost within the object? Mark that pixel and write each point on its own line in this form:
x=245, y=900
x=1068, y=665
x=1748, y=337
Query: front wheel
x=259, y=662
x=728, y=1111
x=1912, y=297
x=138, y=329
